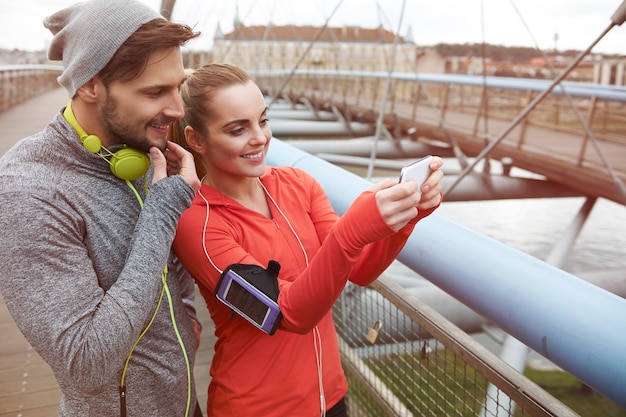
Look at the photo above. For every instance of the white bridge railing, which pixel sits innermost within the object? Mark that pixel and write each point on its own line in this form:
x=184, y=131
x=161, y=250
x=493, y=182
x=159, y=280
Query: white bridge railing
x=18, y=83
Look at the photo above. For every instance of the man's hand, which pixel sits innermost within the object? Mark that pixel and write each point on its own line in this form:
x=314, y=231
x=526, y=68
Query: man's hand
x=174, y=161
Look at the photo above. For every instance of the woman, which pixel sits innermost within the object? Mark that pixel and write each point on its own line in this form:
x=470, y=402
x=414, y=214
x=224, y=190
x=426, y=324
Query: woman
x=249, y=213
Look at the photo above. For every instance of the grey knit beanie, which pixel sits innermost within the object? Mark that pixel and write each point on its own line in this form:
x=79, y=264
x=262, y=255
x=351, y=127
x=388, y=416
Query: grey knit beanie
x=88, y=34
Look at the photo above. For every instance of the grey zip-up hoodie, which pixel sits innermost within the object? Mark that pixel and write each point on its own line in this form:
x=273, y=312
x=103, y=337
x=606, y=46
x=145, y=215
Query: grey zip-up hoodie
x=81, y=266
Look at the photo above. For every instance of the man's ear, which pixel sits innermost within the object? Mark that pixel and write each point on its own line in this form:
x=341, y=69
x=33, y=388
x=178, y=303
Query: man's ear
x=194, y=140
x=88, y=92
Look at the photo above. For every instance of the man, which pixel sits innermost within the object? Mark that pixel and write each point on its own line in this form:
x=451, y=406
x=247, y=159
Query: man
x=87, y=270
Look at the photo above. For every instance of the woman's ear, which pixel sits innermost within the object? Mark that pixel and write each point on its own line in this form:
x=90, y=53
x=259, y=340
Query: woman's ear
x=194, y=140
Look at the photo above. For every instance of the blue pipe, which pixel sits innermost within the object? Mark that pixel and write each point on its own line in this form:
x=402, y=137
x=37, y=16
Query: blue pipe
x=571, y=322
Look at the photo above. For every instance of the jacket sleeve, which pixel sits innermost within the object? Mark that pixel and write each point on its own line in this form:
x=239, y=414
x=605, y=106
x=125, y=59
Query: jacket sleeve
x=188, y=290
x=308, y=298
x=377, y=256
x=52, y=290
x=358, y=247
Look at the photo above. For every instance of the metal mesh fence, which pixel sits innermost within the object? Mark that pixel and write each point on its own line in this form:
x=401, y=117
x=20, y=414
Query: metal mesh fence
x=404, y=359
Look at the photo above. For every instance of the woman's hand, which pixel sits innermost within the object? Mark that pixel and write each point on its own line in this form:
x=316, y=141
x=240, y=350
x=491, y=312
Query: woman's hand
x=399, y=203
x=431, y=189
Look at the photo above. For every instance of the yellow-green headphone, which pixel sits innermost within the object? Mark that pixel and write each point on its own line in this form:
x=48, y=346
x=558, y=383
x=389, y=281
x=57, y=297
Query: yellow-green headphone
x=127, y=164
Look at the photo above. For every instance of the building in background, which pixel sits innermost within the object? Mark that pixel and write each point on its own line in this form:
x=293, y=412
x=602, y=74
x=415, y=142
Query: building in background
x=610, y=72
x=323, y=48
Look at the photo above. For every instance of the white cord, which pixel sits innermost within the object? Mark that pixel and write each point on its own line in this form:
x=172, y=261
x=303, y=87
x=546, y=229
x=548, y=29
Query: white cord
x=317, y=341
x=206, y=222
x=306, y=258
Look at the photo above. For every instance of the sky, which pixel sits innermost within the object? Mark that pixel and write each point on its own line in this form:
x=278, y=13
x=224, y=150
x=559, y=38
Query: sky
x=546, y=24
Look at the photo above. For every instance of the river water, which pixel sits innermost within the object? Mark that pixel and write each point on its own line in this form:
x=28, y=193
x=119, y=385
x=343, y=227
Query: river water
x=534, y=226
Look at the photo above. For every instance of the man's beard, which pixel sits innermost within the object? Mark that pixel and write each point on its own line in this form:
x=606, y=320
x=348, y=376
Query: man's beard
x=121, y=131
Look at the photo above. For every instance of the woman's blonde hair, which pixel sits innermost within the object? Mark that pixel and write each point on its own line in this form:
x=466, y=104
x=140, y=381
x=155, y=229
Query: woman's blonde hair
x=197, y=93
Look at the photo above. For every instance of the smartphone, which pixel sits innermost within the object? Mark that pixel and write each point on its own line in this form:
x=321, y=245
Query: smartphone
x=417, y=171
x=248, y=301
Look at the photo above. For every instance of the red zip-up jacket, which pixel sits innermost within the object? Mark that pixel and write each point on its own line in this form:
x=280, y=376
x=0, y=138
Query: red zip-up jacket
x=255, y=374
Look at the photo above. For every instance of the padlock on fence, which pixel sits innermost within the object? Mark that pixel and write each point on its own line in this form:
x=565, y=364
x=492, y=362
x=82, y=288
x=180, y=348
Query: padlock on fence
x=374, y=332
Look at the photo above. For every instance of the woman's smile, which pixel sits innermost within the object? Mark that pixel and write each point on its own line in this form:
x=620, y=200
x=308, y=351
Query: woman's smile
x=256, y=155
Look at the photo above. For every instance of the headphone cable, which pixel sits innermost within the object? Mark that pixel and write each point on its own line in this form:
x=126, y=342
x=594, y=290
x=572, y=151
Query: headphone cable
x=164, y=290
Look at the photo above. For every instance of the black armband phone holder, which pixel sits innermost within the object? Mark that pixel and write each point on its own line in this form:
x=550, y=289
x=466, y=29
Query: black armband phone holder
x=252, y=292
